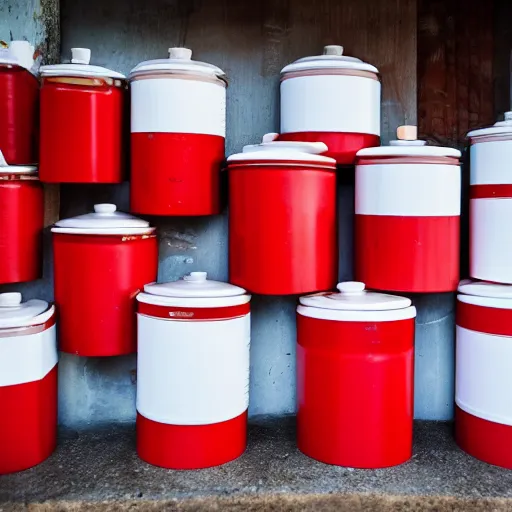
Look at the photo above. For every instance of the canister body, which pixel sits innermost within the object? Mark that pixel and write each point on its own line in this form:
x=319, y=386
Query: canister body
x=82, y=131
x=283, y=228
x=178, y=129
x=96, y=280
x=355, y=391
x=192, y=384
x=21, y=228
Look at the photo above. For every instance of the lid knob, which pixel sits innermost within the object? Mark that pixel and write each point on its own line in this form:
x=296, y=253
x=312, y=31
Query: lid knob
x=333, y=49
x=3, y=161
x=105, y=208
x=180, y=53
x=269, y=137
x=351, y=288
x=407, y=132
x=10, y=300
x=196, y=277
x=508, y=116
x=80, y=55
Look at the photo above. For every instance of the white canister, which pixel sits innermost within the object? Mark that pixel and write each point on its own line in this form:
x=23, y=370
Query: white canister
x=193, y=372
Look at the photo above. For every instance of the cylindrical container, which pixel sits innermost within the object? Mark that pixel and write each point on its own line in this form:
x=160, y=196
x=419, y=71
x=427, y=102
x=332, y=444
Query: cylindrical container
x=192, y=372
x=178, y=128
x=21, y=223
x=334, y=99
x=28, y=382
x=483, y=380
x=490, y=202
x=282, y=218
x=19, y=101
x=82, y=122
x=101, y=261
x=407, y=216
x=355, y=366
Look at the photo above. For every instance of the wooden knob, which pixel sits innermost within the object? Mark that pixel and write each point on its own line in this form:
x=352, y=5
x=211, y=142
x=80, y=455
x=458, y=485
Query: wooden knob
x=407, y=132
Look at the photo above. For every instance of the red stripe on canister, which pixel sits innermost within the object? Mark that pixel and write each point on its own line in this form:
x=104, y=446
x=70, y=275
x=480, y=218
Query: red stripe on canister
x=193, y=314
x=490, y=191
x=481, y=319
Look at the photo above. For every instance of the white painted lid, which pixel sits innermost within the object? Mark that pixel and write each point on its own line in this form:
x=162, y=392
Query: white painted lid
x=105, y=220
x=179, y=60
x=289, y=151
x=500, y=128
x=484, y=293
x=353, y=302
x=16, y=313
x=5, y=168
x=332, y=58
x=79, y=66
x=407, y=144
x=18, y=53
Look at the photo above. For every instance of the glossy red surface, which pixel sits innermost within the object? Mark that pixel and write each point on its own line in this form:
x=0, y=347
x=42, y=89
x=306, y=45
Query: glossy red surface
x=193, y=314
x=495, y=321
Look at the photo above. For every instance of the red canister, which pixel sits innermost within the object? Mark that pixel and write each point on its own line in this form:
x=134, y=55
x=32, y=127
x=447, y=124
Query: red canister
x=282, y=218
x=28, y=382
x=21, y=223
x=101, y=261
x=355, y=363
x=82, y=122
x=19, y=99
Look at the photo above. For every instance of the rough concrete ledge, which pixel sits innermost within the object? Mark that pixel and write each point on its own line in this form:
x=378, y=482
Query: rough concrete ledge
x=99, y=470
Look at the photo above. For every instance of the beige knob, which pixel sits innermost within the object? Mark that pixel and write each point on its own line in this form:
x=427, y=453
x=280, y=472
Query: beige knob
x=407, y=132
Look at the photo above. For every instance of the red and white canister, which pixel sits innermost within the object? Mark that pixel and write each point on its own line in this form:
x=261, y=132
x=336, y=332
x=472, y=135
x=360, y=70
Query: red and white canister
x=283, y=218
x=483, y=380
x=19, y=102
x=407, y=216
x=101, y=261
x=178, y=128
x=491, y=202
x=334, y=99
x=28, y=382
x=21, y=223
x=355, y=365
x=192, y=372
x=82, y=122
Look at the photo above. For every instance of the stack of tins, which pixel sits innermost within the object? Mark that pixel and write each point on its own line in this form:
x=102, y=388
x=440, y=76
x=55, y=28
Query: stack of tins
x=483, y=414
x=192, y=372
x=407, y=222
x=82, y=122
x=333, y=99
x=491, y=202
x=178, y=128
x=355, y=363
x=21, y=223
x=28, y=382
x=282, y=218
x=101, y=261
x=19, y=100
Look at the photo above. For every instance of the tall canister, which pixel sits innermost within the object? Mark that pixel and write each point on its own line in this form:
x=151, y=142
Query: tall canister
x=407, y=216
x=334, y=99
x=82, y=122
x=28, y=382
x=283, y=218
x=178, y=129
x=355, y=365
x=483, y=413
x=101, y=261
x=192, y=372
x=21, y=223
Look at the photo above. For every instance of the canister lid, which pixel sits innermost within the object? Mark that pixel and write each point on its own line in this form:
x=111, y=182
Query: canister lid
x=284, y=152
x=484, y=293
x=353, y=302
x=497, y=129
x=18, y=53
x=105, y=220
x=332, y=58
x=15, y=313
x=5, y=168
x=194, y=290
x=407, y=144
x=79, y=66
x=179, y=61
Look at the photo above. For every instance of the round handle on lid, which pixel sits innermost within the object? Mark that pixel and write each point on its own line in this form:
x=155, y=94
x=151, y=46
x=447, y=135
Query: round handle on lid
x=105, y=208
x=508, y=116
x=80, y=55
x=180, y=53
x=351, y=288
x=407, y=132
x=196, y=277
x=333, y=49
x=269, y=137
x=10, y=300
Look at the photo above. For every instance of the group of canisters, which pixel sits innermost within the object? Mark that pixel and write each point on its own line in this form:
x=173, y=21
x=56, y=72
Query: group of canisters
x=67, y=123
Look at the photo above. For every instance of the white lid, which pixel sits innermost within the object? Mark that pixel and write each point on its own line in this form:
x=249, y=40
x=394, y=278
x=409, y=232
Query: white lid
x=407, y=144
x=500, y=128
x=15, y=313
x=273, y=150
x=484, y=293
x=5, y=168
x=105, y=220
x=79, y=66
x=354, y=303
x=18, y=53
x=332, y=58
x=194, y=290
x=179, y=60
